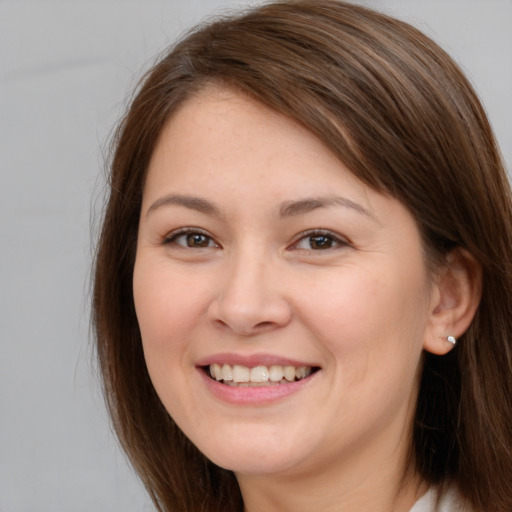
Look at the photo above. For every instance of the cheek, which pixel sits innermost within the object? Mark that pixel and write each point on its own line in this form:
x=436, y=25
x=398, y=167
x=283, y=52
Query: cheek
x=168, y=306
x=372, y=329
x=369, y=321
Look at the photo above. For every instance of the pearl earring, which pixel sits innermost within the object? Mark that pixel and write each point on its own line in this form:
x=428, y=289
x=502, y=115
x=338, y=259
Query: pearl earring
x=451, y=339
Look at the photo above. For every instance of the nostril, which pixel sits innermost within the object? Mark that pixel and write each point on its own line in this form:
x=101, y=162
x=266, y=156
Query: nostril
x=220, y=323
x=249, y=314
x=263, y=325
x=245, y=328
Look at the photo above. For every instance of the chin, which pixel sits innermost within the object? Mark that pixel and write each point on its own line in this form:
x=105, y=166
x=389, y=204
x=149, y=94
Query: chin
x=245, y=465
x=261, y=458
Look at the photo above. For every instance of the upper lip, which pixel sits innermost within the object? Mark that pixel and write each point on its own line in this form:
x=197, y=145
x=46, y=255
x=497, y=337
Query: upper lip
x=252, y=360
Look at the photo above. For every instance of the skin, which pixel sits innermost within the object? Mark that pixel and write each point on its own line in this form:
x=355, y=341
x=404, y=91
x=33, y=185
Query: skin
x=341, y=285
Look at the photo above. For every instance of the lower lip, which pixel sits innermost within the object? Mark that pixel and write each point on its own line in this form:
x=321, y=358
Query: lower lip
x=262, y=395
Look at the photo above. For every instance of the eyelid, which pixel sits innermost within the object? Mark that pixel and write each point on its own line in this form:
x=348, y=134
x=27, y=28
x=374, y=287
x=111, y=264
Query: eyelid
x=170, y=238
x=340, y=240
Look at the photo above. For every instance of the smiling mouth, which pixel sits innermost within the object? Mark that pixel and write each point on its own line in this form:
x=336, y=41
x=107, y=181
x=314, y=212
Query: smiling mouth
x=258, y=376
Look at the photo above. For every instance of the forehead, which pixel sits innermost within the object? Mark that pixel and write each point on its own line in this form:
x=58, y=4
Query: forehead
x=224, y=149
x=219, y=131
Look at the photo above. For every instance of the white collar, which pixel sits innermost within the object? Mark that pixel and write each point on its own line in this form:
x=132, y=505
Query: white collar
x=449, y=502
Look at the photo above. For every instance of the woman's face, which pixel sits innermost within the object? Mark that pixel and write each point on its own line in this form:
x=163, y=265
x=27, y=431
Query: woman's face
x=262, y=261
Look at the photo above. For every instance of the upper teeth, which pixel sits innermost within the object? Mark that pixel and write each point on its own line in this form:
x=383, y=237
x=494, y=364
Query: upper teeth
x=257, y=374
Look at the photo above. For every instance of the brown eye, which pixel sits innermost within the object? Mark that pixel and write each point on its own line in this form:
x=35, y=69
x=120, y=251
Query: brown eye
x=197, y=240
x=190, y=239
x=319, y=241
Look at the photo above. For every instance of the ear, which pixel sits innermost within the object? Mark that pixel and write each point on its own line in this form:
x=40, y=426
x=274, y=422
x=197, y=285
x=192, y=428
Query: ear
x=457, y=290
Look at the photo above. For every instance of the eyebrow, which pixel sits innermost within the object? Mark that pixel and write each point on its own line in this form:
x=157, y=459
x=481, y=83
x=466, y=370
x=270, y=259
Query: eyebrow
x=302, y=206
x=287, y=209
x=191, y=202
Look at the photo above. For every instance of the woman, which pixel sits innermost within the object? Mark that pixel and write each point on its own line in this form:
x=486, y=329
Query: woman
x=303, y=282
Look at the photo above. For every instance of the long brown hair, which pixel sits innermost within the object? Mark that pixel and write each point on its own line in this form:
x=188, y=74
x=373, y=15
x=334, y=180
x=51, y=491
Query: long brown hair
x=398, y=112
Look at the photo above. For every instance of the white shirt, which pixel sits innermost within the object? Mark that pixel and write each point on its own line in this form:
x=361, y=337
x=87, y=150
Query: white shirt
x=450, y=502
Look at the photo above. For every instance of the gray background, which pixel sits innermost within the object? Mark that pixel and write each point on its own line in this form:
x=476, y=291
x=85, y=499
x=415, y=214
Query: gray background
x=66, y=69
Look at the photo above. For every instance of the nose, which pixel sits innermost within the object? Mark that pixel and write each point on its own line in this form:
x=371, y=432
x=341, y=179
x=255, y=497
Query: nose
x=250, y=299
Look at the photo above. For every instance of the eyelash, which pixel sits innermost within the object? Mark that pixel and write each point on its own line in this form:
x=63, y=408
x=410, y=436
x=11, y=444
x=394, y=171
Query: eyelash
x=320, y=233
x=328, y=237
x=172, y=238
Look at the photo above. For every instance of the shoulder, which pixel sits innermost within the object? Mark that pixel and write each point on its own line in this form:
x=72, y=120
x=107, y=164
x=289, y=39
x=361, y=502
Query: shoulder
x=449, y=501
